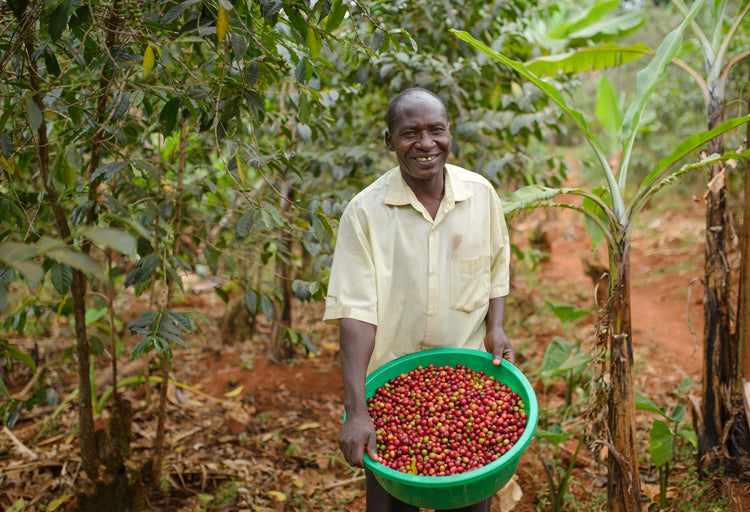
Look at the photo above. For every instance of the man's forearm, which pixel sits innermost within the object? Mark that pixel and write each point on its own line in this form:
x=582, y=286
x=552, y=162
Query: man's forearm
x=496, y=313
x=357, y=341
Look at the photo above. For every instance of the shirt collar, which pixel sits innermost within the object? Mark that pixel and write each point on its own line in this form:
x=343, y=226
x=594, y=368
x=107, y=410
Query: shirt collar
x=399, y=193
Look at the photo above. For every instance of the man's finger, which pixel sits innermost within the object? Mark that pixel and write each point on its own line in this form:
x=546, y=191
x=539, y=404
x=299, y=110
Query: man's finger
x=372, y=447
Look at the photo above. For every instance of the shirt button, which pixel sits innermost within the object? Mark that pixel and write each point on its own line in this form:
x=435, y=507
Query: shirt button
x=433, y=271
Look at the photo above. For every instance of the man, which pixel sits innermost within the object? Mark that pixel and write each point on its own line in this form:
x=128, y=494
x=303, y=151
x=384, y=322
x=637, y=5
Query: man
x=421, y=262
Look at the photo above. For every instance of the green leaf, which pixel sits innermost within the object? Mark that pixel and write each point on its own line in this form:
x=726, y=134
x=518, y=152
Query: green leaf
x=690, y=145
x=684, y=386
x=612, y=28
x=177, y=10
x=168, y=116
x=62, y=277
x=19, y=504
x=646, y=81
x=300, y=289
x=58, y=20
x=96, y=347
x=376, y=41
x=223, y=295
x=615, y=191
x=690, y=436
x=557, y=351
x=121, y=241
x=270, y=8
x=309, y=345
x=607, y=106
x=567, y=312
x=562, y=357
x=145, y=345
x=336, y=15
x=30, y=270
x=660, y=443
x=78, y=261
x=135, y=227
x=35, y=115
x=266, y=306
x=643, y=403
x=146, y=268
x=50, y=61
x=106, y=171
x=678, y=414
x=14, y=353
x=245, y=224
x=313, y=42
x=554, y=435
x=18, y=7
x=250, y=301
x=94, y=315
x=297, y=22
x=525, y=197
x=583, y=18
x=119, y=106
x=587, y=59
x=592, y=228
x=239, y=45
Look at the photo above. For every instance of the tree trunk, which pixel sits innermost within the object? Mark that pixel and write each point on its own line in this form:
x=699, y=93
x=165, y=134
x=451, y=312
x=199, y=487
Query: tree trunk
x=723, y=437
x=89, y=453
x=282, y=349
x=738, y=424
x=623, y=485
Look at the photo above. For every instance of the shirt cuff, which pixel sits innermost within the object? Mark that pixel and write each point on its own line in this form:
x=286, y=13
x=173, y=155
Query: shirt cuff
x=333, y=314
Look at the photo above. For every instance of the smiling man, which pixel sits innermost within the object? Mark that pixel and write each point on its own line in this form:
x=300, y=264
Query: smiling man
x=421, y=262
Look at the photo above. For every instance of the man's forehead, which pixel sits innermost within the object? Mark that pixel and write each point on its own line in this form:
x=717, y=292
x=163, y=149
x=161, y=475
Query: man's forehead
x=423, y=105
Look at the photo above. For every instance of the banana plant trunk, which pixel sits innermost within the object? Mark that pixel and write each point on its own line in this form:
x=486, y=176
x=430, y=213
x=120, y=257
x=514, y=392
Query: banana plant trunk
x=623, y=486
x=723, y=436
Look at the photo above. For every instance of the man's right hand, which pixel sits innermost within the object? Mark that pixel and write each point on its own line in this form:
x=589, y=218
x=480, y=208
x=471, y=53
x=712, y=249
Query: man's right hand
x=357, y=435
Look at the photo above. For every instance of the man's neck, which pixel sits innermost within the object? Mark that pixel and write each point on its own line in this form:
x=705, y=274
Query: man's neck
x=429, y=192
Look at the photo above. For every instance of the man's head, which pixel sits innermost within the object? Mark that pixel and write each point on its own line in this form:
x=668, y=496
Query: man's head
x=419, y=133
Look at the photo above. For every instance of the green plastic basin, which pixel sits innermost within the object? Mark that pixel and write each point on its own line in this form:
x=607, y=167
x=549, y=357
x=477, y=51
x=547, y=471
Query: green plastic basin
x=455, y=491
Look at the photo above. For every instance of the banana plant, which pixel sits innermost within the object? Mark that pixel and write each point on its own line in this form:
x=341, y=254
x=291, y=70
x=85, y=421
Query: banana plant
x=614, y=215
x=715, y=44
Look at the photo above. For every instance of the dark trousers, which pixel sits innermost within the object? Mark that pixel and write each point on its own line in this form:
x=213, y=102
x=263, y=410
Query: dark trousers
x=378, y=500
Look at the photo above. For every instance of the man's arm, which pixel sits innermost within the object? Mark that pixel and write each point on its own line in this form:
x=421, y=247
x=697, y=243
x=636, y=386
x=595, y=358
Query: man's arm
x=357, y=341
x=496, y=341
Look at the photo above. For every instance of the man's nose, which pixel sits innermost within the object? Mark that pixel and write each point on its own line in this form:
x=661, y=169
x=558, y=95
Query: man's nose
x=425, y=141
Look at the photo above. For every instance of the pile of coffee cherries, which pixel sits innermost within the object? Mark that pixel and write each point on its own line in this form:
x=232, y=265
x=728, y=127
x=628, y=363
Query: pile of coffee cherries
x=441, y=420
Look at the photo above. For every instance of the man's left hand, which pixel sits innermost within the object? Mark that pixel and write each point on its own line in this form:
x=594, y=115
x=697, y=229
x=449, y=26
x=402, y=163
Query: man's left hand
x=497, y=343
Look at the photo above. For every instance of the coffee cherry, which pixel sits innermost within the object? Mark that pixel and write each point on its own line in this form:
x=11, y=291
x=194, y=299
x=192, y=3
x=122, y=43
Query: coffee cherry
x=441, y=420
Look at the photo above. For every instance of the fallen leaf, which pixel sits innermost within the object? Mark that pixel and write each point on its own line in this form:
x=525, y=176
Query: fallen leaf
x=308, y=426
x=236, y=391
x=55, y=504
x=276, y=495
x=17, y=506
x=509, y=495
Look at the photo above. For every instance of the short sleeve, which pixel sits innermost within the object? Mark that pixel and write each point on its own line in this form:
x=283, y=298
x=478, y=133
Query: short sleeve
x=352, y=290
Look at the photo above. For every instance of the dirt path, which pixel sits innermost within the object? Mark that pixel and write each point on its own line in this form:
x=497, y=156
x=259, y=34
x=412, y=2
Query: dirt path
x=666, y=293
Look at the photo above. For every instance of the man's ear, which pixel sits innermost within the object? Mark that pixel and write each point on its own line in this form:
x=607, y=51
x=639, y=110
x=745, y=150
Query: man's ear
x=388, y=141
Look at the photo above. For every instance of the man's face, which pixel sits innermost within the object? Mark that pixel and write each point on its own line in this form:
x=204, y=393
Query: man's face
x=420, y=137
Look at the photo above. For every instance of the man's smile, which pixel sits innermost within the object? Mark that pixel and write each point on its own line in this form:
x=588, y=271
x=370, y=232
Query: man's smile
x=425, y=159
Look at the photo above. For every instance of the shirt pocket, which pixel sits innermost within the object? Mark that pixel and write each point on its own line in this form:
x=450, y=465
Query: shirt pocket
x=470, y=284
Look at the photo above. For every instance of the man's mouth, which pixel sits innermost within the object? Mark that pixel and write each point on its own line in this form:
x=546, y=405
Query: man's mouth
x=426, y=159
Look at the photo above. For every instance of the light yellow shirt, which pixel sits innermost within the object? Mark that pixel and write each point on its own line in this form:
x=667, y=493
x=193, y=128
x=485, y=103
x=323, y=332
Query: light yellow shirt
x=424, y=283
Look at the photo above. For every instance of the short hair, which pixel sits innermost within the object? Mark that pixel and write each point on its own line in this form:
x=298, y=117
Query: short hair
x=400, y=97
